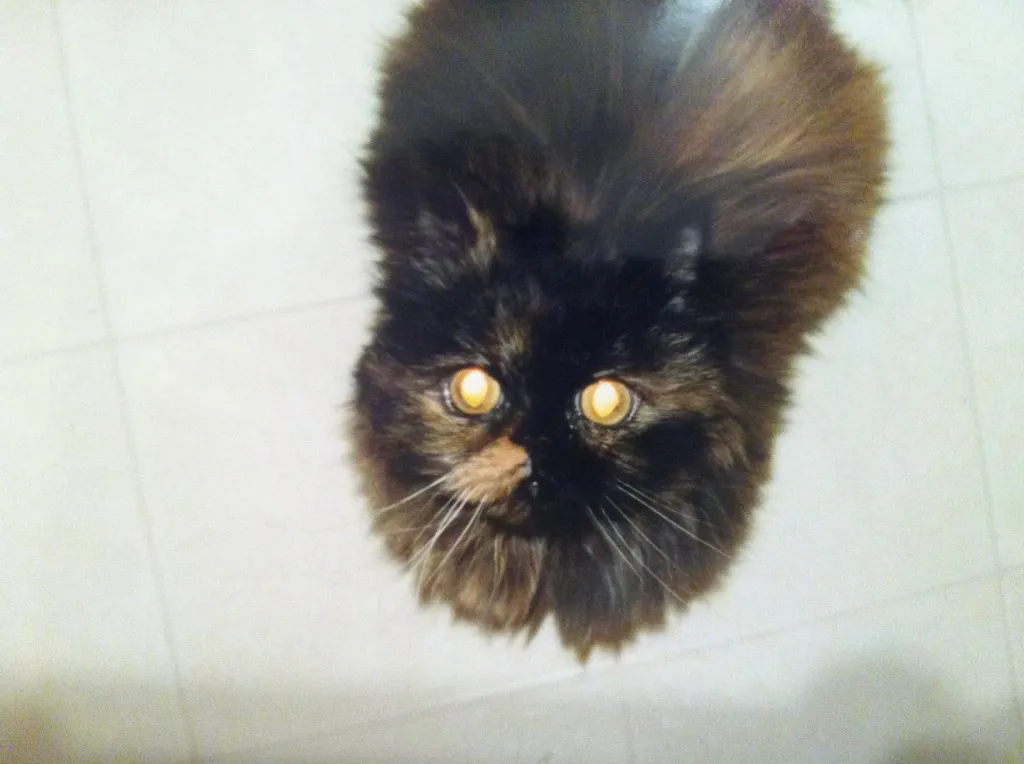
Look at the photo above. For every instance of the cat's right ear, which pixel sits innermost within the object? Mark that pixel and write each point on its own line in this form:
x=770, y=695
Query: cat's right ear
x=425, y=222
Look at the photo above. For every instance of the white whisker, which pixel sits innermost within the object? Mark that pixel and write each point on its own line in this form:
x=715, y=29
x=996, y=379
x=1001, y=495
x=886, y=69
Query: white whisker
x=611, y=541
x=625, y=488
x=413, y=495
x=442, y=512
x=642, y=535
x=447, y=518
x=639, y=557
x=469, y=524
x=647, y=496
x=689, y=516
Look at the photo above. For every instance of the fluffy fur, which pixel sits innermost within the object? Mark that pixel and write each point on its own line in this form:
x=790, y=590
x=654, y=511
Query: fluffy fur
x=658, y=191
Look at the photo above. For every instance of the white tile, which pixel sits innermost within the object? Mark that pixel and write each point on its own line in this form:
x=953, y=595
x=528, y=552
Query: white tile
x=878, y=487
x=883, y=31
x=987, y=230
x=583, y=719
x=438, y=737
x=455, y=661
x=49, y=292
x=971, y=53
x=84, y=663
x=924, y=680
x=1013, y=591
x=220, y=143
x=279, y=597
x=558, y=723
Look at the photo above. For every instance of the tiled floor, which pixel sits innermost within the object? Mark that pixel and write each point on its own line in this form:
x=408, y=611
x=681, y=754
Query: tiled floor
x=185, y=572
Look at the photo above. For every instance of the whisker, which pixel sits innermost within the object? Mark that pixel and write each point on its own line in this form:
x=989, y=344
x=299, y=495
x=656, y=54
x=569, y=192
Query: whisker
x=651, y=503
x=720, y=510
x=413, y=495
x=646, y=495
x=469, y=524
x=499, y=576
x=448, y=517
x=442, y=513
x=414, y=529
x=637, y=556
x=644, y=536
x=678, y=510
x=611, y=541
x=423, y=560
x=625, y=489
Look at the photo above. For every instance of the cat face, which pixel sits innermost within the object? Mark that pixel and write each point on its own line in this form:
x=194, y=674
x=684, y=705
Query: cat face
x=543, y=428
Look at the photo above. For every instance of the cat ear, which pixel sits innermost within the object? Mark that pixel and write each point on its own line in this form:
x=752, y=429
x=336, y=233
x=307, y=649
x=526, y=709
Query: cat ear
x=426, y=224
x=456, y=230
x=484, y=244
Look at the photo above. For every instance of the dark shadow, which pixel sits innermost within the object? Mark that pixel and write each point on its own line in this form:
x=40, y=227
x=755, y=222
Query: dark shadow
x=876, y=711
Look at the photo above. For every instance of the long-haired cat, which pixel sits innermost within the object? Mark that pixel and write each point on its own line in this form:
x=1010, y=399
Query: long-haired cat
x=607, y=229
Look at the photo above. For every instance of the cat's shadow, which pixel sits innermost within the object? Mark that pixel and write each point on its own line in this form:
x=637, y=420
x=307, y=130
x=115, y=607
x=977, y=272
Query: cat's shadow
x=873, y=711
x=879, y=710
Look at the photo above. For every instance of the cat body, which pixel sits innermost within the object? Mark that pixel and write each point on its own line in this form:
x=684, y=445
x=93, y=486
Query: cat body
x=607, y=229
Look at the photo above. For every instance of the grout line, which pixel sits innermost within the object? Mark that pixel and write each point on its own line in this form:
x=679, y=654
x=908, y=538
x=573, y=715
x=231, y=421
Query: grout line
x=40, y=355
x=1012, y=569
x=239, y=319
x=181, y=329
x=968, y=355
x=975, y=185
x=829, y=618
x=940, y=176
x=186, y=716
x=890, y=200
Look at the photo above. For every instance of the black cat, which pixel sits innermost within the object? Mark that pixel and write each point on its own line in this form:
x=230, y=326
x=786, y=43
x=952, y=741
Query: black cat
x=607, y=228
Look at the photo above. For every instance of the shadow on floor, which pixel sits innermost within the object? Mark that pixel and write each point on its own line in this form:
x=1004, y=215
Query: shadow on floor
x=875, y=712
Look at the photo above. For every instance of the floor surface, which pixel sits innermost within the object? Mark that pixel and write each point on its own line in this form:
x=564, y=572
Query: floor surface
x=185, y=569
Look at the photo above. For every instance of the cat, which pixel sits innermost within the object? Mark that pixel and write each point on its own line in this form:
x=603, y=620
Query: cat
x=607, y=229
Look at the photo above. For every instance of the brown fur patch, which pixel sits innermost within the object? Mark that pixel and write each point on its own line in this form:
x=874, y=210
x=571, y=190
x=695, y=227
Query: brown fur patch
x=486, y=245
x=493, y=473
x=496, y=585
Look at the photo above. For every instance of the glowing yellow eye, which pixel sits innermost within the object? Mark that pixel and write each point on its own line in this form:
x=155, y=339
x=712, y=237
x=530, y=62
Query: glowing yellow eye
x=606, y=402
x=475, y=392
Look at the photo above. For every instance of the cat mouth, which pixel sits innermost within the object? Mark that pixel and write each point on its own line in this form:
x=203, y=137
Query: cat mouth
x=510, y=517
x=522, y=520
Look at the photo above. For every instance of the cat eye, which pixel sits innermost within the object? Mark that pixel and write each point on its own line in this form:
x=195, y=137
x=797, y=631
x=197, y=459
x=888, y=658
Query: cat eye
x=607, y=402
x=474, y=392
